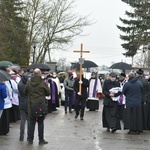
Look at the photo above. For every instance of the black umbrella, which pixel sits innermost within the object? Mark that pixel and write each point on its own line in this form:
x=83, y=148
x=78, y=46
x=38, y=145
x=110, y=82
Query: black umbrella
x=86, y=64
x=42, y=67
x=5, y=64
x=4, y=76
x=121, y=66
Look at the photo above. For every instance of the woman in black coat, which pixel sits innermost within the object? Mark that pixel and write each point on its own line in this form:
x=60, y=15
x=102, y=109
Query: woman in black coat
x=133, y=112
x=110, y=115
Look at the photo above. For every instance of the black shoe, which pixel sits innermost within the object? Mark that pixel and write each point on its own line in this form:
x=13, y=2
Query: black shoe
x=70, y=111
x=21, y=139
x=30, y=142
x=81, y=118
x=76, y=116
x=133, y=132
x=66, y=112
x=43, y=142
x=113, y=130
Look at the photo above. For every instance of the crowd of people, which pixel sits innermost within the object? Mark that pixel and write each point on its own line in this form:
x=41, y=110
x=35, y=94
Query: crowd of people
x=126, y=98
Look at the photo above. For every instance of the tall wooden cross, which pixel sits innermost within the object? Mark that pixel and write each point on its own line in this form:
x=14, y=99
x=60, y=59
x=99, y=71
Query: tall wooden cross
x=81, y=61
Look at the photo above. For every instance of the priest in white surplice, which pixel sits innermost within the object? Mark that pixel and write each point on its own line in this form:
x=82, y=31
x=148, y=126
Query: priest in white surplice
x=95, y=86
x=94, y=92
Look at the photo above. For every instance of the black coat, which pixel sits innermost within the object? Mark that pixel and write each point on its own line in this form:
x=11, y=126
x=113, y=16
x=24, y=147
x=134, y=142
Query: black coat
x=23, y=99
x=145, y=89
x=133, y=91
x=108, y=84
x=148, y=93
x=84, y=87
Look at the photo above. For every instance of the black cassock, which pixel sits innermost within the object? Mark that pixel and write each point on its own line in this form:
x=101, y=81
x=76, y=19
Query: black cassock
x=4, y=122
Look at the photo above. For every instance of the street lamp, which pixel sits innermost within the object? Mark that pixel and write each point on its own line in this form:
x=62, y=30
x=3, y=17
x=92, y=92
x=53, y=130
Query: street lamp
x=34, y=47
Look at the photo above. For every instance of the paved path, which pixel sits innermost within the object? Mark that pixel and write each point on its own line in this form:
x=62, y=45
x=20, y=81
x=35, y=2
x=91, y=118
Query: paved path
x=63, y=132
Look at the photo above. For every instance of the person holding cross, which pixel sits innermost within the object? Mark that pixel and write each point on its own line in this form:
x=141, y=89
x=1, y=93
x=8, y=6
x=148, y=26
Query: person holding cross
x=82, y=95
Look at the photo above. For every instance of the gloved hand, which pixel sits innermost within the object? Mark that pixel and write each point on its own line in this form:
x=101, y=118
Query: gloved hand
x=80, y=82
x=79, y=93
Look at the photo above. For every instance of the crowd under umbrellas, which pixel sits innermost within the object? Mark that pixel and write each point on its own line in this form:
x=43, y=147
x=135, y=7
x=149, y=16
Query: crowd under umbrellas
x=15, y=71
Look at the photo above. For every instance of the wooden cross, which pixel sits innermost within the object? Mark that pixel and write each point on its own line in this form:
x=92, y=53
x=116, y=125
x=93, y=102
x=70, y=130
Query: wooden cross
x=81, y=61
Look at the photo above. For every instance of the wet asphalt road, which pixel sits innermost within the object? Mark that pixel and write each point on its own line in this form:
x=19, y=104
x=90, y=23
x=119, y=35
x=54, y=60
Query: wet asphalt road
x=63, y=132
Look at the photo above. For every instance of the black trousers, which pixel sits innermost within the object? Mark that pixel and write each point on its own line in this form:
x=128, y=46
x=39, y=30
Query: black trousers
x=80, y=106
x=40, y=121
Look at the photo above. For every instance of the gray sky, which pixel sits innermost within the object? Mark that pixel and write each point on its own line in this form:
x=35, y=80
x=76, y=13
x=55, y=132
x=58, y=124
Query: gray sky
x=102, y=37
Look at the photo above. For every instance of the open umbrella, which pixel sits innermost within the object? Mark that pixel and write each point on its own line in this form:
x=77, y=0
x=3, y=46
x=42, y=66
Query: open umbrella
x=5, y=64
x=86, y=64
x=42, y=67
x=121, y=66
x=65, y=74
x=15, y=67
x=4, y=76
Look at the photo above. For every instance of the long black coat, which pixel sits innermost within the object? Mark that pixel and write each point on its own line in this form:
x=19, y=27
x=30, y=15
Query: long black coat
x=108, y=84
x=145, y=89
x=84, y=86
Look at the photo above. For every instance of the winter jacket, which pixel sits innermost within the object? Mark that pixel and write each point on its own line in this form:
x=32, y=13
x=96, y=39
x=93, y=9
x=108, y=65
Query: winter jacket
x=84, y=86
x=36, y=90
x=3, y=95
x=23, y=99
x=68, y=84
x=108, y=84
x=145, y=89
x=133, y=91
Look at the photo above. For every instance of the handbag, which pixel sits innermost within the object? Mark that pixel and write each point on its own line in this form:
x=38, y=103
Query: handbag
x=39, y=110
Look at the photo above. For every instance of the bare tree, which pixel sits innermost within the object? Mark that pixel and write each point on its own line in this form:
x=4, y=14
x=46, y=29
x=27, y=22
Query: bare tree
x=52, y=24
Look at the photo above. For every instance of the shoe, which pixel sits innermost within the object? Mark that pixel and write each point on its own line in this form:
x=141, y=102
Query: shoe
x=108, y=130
x=65, y=112
x=43, y=142
x=21, y=139
x=81, y=118
x=76, y=116
x=113, y=130
x=70, y=111
x=134, y=132
x=30, y=142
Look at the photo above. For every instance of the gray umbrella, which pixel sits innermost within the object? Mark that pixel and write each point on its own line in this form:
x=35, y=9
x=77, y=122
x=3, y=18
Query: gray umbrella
x=121, y=66
x=4, y=76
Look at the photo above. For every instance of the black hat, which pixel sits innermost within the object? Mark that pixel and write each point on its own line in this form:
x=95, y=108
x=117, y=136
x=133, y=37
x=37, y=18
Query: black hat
x=123, y=74
x=140, y=71
x=112, y=74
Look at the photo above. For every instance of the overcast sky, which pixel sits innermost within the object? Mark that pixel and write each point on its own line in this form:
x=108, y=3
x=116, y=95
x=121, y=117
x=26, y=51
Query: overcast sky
x=102, y=37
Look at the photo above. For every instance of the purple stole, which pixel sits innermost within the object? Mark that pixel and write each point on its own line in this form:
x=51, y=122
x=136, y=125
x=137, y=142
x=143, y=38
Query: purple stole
x=121, y=96
x=73, y=97
x=53, y=91
x=94, y=89
x=120, y=99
